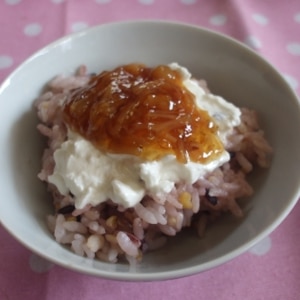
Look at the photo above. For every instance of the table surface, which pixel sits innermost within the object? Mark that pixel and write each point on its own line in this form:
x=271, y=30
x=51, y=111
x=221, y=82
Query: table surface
x=271, y=269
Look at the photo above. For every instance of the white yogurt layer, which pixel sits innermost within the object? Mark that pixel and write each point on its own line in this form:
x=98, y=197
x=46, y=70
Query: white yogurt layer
x=94, y=177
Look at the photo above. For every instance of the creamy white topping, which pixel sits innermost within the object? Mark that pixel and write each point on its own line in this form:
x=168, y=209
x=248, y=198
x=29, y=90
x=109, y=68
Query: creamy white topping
x=225, y=114
x=94, y=177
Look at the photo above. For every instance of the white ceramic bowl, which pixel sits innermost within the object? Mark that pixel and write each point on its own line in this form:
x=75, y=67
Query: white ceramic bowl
x=231, y=70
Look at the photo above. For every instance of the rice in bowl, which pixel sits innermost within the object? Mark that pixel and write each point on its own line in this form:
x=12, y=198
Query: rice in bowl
x=113, y=231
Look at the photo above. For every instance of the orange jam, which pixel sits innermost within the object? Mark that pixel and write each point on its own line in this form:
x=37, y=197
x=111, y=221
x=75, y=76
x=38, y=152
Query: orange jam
x=147, y=112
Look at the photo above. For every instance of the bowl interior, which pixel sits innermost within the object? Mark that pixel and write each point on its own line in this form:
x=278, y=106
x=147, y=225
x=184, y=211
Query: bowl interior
x=231, y=70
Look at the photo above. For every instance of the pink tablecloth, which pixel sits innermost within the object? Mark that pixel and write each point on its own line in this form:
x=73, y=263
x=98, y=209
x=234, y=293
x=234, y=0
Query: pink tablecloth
x=270, y=270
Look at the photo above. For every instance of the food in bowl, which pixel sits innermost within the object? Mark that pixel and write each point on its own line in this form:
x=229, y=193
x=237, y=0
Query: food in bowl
x=139, y=153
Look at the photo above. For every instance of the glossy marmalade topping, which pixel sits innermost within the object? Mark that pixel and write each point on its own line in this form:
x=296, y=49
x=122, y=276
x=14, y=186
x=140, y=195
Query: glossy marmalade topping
x=142, y=111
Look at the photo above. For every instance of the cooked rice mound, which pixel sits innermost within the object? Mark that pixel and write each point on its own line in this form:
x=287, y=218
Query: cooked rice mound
x=112, y=233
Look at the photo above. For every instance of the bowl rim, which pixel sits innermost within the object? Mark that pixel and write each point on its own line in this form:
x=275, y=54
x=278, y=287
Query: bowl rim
x=164, y=275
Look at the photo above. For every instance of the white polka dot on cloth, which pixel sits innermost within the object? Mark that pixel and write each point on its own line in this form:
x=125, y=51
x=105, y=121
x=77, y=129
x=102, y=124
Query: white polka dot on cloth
x=292, y=81
x=293, y=48
x=5, y=61
x=12, y=2
x=77, y=26
x=102, y=1
x=262, y=247
x=33, y=29
x=57, y=1
x=297, y=17
x=38, y=264
x=146, y=2
x=253, y=42
x=260, y=19
x=218, y=20
x=188, y=2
